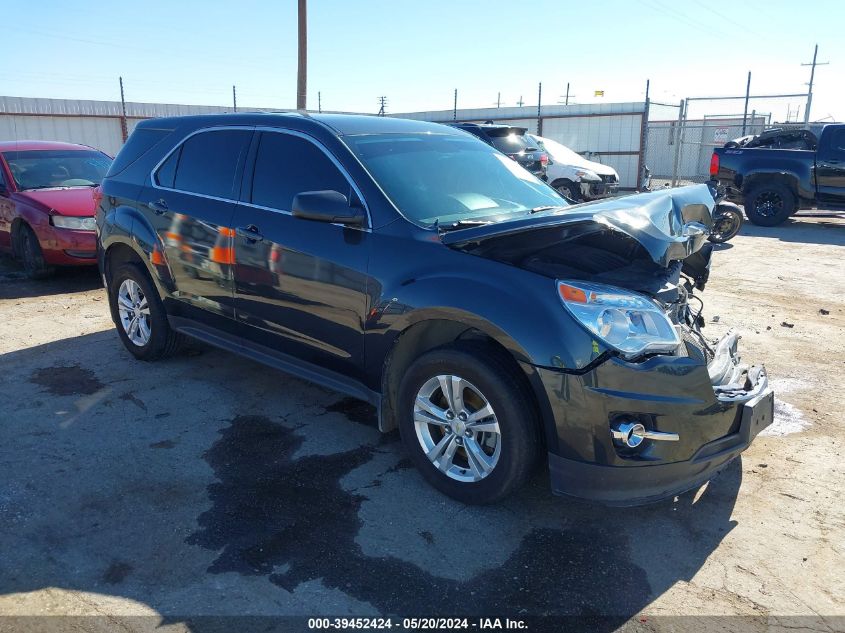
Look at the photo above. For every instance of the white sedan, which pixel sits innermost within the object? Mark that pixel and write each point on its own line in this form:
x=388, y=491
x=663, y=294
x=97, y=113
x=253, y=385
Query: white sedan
x=576, y=177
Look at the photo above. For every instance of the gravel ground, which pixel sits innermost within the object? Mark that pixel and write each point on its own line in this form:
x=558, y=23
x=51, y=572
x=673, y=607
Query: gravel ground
x=209, y=485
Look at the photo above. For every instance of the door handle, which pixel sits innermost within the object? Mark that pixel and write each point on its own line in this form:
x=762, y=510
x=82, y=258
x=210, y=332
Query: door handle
x=159, y=206
x=250, y=233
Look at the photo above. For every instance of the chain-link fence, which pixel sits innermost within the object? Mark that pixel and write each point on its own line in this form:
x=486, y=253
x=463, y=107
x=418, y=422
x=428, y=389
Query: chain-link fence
x=678, y=152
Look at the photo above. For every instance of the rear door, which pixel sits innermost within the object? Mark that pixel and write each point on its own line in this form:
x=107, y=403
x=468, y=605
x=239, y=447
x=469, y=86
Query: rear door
x=190, y=203
x=300, y=285
x=830, y=167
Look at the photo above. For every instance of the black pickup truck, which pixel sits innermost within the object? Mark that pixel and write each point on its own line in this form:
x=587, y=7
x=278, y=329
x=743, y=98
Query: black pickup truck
x=773, y=182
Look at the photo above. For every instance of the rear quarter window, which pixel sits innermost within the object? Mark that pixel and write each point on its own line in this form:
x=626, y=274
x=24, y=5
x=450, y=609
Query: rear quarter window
x=139, y=143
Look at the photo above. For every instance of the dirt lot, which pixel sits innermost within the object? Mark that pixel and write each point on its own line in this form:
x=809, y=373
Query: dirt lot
x=210, y=485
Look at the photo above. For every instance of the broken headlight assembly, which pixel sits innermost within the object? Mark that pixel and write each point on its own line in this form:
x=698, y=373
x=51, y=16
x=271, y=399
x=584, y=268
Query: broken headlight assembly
x=628, y=322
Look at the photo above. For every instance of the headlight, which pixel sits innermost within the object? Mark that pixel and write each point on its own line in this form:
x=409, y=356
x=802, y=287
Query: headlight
x=628, y=322
x=585, y=174
x=70, y=222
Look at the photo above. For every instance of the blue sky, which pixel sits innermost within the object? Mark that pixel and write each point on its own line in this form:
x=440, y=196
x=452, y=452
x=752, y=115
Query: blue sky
x=417, y=53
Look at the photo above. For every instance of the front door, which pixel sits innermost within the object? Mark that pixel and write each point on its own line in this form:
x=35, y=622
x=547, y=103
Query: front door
x=191, y=205
x=300, y=285
x=7, y=211
x=830, y=168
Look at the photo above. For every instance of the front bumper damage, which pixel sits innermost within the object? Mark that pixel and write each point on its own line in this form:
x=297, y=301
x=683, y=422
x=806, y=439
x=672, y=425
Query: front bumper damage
x=715, y=409
x=597, y=189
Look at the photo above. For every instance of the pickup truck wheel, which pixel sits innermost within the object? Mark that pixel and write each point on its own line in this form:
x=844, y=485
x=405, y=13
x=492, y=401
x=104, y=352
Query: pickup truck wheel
x=769, y=204
x=139, y=315
x=467, y=423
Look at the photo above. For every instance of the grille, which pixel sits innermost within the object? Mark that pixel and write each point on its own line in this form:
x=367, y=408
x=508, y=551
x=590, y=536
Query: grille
x=609, y=178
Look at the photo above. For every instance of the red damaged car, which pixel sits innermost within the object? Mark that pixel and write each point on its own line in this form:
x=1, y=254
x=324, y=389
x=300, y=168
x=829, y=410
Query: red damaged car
x=47, y=203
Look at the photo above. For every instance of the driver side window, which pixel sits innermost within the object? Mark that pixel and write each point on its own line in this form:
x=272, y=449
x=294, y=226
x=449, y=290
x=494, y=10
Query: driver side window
x=286, y=165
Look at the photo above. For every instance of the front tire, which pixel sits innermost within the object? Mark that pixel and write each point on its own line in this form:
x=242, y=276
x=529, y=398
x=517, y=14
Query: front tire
x=467, y=422
x=769, y=204
x=29, y=250
x=569, y=190
x=139, y=315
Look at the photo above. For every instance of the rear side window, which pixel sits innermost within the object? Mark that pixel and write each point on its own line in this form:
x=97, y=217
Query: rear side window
x=207, y=164
x=287, y=165
x=166, y=174
x=138, y=144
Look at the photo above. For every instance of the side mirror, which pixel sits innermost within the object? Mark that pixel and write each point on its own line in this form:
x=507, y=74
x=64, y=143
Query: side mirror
x=326, y=206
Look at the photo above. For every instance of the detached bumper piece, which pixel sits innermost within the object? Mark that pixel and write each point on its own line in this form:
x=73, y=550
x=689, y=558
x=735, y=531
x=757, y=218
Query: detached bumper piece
x=681, y=427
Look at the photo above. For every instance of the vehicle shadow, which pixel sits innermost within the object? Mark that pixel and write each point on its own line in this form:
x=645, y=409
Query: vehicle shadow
x=208, y=485
x=15, y=285
x=809, y=229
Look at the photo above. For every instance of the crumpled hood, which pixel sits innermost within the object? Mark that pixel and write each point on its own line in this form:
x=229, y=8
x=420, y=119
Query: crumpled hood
x=671, y=224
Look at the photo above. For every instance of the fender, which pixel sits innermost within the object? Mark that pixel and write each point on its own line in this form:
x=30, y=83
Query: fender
x=545, y=337
x=794, y=180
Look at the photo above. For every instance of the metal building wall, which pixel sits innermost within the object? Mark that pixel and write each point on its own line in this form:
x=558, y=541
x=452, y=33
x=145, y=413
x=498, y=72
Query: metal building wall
x=94, y=123
x=608, y=133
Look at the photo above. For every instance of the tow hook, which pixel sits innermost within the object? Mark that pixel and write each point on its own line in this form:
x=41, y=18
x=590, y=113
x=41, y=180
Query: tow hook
x=632, y=434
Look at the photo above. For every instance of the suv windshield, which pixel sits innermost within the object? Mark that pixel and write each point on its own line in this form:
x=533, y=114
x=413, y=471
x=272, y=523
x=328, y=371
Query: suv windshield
x=49, y=169
x=449, y=178
x=510, y=140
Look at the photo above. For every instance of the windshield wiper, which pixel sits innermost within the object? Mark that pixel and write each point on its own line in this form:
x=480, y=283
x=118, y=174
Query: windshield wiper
x=460, y=224
x=545, y=208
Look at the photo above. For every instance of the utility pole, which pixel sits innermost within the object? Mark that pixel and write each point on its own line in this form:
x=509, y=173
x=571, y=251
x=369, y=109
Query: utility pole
x=644, y=135
x=382, y=105
x=747, y=96
x=302, y=69
x=499, y=100
x=234, y=99
x=124, y=129
x=520, y=102
x=539, y=102
x=455, y=106
x=566, y=97
x=319, y=102
x=812, y=76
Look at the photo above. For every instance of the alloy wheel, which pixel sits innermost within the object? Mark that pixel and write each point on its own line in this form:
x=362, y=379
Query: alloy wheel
x=457, y=428
x=134, y=312
x=768, y=203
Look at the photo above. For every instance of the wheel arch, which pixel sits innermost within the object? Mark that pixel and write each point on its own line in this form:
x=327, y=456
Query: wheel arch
x=119, y=253
x=792, y=182
x=426, y=334
x=557, y=182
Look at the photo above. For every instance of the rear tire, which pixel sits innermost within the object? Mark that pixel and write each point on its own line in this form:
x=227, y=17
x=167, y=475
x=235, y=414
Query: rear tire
x=29, y=250
x=133, y=297
x=483, y=459
x=769, y=204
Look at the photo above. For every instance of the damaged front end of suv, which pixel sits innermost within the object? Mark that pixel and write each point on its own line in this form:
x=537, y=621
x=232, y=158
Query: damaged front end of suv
x=649, y=406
